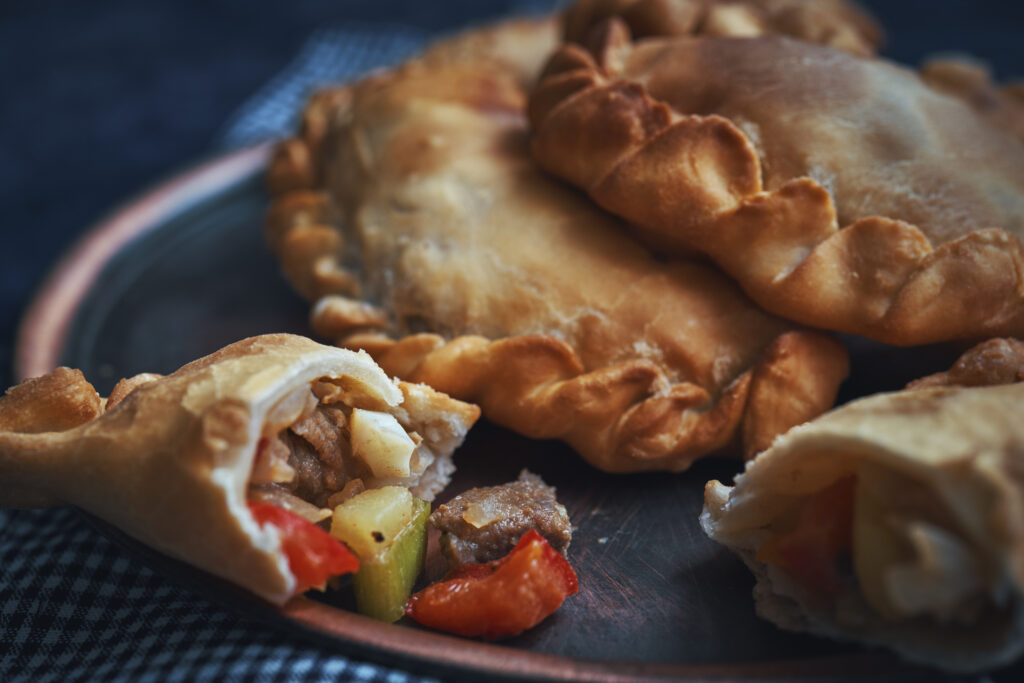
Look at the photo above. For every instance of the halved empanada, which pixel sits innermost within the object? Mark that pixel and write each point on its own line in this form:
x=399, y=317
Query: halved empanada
x=836, y=23
x=173, y=460
x=839, y=192
x=896, y=520
x=506, y=289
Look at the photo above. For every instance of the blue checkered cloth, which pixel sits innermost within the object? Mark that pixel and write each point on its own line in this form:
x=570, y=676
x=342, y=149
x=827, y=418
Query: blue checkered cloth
x=75, y=606
x=329, y=56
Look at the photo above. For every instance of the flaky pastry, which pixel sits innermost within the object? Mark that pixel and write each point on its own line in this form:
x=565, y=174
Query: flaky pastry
x=836, y=23
x=174, y=460
x=473, y=272
x=840, y=192
x=895, y=520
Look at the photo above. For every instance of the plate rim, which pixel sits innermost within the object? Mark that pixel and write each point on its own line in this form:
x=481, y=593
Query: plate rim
x=42, y=331
x=436, y=653
x=41, y=339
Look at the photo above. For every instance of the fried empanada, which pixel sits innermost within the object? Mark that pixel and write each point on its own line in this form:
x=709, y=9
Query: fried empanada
x=836, y=23
x=896, y=520
x=840, y=192
x=509, y=290
x=174, y=460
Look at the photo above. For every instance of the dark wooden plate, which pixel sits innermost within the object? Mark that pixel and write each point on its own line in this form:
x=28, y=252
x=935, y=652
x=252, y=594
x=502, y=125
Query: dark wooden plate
x=183, y=271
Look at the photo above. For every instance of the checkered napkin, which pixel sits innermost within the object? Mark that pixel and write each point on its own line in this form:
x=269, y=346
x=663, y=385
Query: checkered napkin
x=329, y=56
x=76, y=607
x=332, y=56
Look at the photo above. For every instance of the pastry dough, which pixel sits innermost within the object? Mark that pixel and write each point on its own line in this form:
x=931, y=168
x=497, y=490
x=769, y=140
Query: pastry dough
x=836, y=23
x=932, y=525
x=506, y=289
x=996, y=361
x=970, y=80
x=840, y=192
x=170, y=463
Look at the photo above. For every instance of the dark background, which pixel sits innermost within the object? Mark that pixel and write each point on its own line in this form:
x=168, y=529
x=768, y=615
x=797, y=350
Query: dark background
x=99, y=100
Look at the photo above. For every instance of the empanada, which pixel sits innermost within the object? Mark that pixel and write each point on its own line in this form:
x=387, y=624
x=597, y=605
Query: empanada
x=175, y=459
x=896, y=520
x=836, y=23
x=840, y=192
x=506, y=289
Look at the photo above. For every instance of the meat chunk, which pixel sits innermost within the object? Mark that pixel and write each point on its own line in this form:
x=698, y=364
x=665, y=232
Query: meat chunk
x=484, y=524
x=310, y=459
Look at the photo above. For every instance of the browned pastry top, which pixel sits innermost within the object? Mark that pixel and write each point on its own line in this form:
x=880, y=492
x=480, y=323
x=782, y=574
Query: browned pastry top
x=840, y=192
x=868, y=131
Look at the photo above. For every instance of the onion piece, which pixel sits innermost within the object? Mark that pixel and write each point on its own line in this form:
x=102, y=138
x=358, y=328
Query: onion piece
x=290, y=502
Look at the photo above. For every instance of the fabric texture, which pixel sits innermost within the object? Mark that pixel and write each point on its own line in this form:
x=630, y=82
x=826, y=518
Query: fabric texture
x=330, y=56
x=75, y=606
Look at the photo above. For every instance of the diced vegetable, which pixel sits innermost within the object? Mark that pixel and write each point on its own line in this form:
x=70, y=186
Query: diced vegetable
x=381, y=443
x=368, y=523
x=313, y=555
x=289, y=501
x=501, y=598
x=387, y=529
x=809, y=552
x=384, y=583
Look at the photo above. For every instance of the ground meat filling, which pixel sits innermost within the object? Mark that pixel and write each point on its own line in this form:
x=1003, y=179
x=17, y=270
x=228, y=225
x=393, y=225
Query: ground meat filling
x=484, y=524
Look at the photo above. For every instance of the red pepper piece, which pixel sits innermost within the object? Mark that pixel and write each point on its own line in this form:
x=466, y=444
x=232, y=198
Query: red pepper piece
x=810, y=551
x=313, y=554
x=501, y=598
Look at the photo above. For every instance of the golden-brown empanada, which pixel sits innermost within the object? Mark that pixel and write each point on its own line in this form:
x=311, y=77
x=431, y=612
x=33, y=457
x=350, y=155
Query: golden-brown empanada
x=836, y=23
x=896, y=520
x=840, y=192
x=173, y=461
x=506, y=289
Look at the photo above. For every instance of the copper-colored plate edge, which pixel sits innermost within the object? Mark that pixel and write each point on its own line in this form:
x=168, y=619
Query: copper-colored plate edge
x=47, y=319
x=450, y=652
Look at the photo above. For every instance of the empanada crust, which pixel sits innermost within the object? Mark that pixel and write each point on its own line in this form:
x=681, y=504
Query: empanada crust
x=836, y=23
x=840, y=192
x=506, y=289
x=169, y=462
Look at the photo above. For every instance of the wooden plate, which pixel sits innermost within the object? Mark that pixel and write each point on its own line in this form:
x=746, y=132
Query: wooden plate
x=183, y=270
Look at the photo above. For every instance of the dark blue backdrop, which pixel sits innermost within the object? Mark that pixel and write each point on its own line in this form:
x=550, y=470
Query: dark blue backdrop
x=100, y=99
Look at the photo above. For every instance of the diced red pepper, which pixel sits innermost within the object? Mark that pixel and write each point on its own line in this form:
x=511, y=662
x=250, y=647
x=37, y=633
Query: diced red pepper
x=809, y=552
x=313, y=554
x=501, y=598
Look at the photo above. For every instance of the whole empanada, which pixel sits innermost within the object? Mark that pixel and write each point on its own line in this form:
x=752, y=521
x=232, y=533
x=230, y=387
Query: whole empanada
x=173, y=460
x=896, y=520
x=506, y=289
x=840, y=192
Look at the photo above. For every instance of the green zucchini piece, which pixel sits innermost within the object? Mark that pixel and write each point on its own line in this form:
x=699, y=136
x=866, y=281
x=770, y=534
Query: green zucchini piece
x=384, y=582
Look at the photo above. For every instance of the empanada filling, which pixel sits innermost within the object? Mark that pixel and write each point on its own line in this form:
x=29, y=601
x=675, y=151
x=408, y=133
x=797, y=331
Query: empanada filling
x=885, y=537
x=323, y=444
